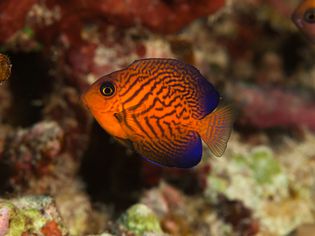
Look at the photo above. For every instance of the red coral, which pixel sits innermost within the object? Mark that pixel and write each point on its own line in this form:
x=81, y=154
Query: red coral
x=12, y=17
x=158, y=15
x=51, y=229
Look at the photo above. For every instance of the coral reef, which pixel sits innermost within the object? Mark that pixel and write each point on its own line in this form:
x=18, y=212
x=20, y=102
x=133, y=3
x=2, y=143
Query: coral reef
x=30, y=216
x=32, y=151
x=50, y=146
x=53, y=17
x=269, y=108
x=140, y=220
x=262, y=181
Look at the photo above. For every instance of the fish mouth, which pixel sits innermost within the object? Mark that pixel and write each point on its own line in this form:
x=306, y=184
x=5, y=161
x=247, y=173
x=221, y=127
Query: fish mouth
x=297, y=19
x=299, y=22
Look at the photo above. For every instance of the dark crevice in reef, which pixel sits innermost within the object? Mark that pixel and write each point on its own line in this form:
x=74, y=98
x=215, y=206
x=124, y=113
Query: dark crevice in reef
x=293, y=57
x=5, y=173
x=110, y=174
x=30, y=84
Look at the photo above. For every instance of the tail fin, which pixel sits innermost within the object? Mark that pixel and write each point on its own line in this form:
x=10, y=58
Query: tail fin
x=215, y=129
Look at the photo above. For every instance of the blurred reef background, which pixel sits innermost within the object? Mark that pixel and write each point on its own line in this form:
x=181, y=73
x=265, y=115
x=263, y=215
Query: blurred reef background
x=61, y=174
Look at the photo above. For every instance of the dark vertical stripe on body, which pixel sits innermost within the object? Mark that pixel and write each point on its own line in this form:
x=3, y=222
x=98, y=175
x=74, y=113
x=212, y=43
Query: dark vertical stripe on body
x=140, y=126
x=150, y=127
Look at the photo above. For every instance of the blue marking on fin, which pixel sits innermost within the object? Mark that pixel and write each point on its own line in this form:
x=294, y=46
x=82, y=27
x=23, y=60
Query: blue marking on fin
x=191, y=156
x=154, y=162
x=186, y=156
x=209, y=96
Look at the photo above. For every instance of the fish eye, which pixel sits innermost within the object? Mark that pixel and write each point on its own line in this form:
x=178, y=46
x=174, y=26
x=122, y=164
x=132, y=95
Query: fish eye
x=309, y=15
x=107, y=89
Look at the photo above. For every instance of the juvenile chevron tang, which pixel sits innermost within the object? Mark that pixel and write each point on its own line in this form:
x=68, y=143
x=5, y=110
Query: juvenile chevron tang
x=161, y=108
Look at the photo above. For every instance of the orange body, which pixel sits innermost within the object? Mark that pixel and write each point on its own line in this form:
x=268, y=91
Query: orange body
x=304, y=18
x=160, y=106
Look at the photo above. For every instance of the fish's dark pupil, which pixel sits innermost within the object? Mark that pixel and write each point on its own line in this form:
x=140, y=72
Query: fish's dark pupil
x=309, y=15
x=107, y=89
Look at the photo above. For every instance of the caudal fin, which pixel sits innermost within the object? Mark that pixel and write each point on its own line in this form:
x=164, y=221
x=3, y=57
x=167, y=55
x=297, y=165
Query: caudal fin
x=215, y=129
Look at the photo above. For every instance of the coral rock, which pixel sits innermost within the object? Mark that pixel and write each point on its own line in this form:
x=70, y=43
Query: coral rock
x=274, y=107
x=30, y=216
x=51, y=229
x=272, y=193
x=31, y=151
x=13, y=16
x=304, y=230
x=161, y=16
x=4, y=220
x=140, y=219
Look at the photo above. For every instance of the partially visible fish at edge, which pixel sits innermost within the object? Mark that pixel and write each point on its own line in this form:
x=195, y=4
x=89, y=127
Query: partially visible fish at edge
x=161, y=108
x=304, y=18
x=5, y=68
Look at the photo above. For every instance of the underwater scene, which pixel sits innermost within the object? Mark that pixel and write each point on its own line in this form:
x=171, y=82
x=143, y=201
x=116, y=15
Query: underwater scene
x=157, y=117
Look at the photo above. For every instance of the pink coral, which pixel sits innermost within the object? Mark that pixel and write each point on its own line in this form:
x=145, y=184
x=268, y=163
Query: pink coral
x=274, y=107
x=4, y=220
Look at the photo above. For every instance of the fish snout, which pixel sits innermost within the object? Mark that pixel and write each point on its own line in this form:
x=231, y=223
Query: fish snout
x=298, y=20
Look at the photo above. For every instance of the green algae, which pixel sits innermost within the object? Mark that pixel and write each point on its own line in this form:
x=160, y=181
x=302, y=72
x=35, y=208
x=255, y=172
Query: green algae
x=28, y=31
x=257, y=172
x=140, y=219
x=262, y=181
x=261, y=163
x=264, y=166
x=27, y=214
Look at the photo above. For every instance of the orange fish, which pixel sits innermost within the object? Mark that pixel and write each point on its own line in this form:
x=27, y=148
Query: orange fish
x=5, y=67
x=304, y=18
x=161, y=108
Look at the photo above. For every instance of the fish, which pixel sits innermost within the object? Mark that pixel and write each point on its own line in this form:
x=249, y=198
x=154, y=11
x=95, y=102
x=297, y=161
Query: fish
x=5, y=68
x=162, y=108
x=304, y=18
